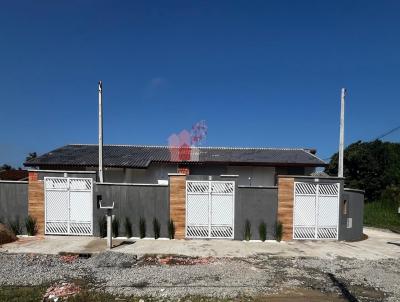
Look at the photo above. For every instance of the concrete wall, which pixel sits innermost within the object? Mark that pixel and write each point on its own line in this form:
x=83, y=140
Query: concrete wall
x=13, y=201
x=256, y=204
x=355, y=211
x=133, y=201
x=77, y=174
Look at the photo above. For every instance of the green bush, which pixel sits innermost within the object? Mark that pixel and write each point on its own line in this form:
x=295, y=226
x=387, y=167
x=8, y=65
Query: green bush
x=382, y=214
x=15, y=226
x=115, y=227
x=171, y=229
x=247, y=230
x=31, y=225
x=128, y=227
x=103, y=226
x=142, y=227
x=156, y=228
x=262, y=231
x=278, y=231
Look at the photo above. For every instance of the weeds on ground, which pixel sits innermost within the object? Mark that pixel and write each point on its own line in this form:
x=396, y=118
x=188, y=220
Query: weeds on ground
x=115, y=227
x=128, y=227
x=31, y=225
x=103, y=226
x=15, y=226
x=247, y=230
x=382, y=214
x=156, y=228
x=171, y=229
x=262, y=230
x=142, y=227
x=278, y=231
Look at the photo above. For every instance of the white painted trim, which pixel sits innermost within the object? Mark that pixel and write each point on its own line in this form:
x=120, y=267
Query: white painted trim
x=129, y=184
x=233, y=175
x=62, y=171
x=14, y=181
x=176, y=174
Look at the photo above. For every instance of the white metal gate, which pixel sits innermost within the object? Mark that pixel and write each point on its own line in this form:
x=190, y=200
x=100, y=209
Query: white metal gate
x=210, y=209
x=68, y=206
x=316, y=210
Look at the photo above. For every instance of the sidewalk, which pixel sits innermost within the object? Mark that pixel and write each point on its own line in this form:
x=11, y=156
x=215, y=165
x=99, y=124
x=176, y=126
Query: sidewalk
x=379, y=245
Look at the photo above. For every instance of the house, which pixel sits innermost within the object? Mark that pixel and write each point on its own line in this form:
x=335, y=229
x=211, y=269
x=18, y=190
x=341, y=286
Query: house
x=207, y=192
x=152, y=164
x=14, y=175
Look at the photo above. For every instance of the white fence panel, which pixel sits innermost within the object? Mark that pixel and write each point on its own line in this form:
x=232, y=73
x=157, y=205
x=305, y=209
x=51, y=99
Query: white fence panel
x=316, y=211
x=68, y=206
x=210, y=209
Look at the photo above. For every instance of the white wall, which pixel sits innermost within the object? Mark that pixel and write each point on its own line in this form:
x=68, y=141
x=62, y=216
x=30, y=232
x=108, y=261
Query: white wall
x=260, y=176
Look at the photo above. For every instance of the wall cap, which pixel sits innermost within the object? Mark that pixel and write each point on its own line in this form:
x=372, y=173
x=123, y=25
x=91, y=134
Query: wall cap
x=14, y=181
x=258, y=187
x=354, y=190
x=62, y=171
x=176, y=174
x=310, y=177
x=229, y=175
x=129, y=184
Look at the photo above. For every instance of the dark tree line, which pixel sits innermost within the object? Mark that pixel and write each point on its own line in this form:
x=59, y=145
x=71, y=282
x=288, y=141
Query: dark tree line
x=371, y=166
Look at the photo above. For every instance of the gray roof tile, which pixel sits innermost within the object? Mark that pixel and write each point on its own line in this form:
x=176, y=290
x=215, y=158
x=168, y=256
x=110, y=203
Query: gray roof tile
x=136, y=156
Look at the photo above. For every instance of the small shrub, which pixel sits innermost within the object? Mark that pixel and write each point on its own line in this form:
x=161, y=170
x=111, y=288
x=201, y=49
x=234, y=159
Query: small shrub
x=128, y=228
x=278, y=231
x=31, y=225
x=103, y=226
x=262, y=230
x=247, y=230
x=142, y=227
x=171, y=229
x=15, y=226
x=115, y=227
x=156, y=228
x=6, y=235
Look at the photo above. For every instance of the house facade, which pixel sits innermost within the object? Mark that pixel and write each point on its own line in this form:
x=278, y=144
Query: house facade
x=152, y=164
x=205, y=192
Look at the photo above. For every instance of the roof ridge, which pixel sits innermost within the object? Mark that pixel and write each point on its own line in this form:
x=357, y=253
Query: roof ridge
x=201, y=147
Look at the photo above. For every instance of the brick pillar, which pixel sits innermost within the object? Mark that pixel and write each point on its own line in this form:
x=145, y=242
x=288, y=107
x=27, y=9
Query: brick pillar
x=177, y=203
x=285, y=206
x=36, y=200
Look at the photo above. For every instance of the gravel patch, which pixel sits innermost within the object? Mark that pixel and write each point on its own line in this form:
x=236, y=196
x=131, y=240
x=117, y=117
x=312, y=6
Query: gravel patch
x=124, y=274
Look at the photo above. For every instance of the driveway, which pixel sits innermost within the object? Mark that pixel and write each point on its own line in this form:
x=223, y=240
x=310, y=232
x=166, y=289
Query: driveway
x=379, y=245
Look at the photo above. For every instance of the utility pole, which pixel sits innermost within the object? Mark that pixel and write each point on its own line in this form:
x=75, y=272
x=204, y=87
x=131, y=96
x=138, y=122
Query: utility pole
x=100, y=131
x=341, y=138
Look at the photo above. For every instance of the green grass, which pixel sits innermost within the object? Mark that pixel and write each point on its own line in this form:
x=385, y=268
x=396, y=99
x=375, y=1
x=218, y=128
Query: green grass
x=35, y=293
x=382, y=214
x=21, y=293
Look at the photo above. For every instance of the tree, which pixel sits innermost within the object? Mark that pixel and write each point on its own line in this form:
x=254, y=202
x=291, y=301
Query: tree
x=6, y=167
x=30, y=156
x=370, y=166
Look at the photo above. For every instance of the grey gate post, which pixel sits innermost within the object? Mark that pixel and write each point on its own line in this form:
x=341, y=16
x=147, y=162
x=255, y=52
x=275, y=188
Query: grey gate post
x=109, y=222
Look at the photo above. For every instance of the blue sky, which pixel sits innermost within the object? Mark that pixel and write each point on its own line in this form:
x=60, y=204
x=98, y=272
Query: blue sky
x=260, y=73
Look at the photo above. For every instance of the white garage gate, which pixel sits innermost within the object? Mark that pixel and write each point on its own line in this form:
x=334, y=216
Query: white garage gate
x=68, y=206
x=316, y=210
x=210, y=209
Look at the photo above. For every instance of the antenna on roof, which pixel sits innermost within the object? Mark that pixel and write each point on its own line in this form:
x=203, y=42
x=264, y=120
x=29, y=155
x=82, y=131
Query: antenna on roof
x=100, y=131
x=341, y=138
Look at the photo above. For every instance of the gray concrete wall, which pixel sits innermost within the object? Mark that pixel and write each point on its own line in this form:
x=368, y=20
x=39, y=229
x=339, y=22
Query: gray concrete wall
x=355, y=210
x=13, y=201
x=256, y=204
x=134, y=201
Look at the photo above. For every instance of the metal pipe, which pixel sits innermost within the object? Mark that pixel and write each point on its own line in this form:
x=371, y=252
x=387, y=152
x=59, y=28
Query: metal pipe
x=100, y=131
x=341, y=138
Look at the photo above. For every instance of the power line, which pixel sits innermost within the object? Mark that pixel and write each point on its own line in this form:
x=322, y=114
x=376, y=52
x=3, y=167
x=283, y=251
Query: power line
x=388, y=132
